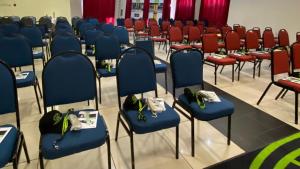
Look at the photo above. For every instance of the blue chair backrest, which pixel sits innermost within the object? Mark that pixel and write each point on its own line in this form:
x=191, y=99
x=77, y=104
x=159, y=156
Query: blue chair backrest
x=15, y=18
x=9, y=29
x=61, y=44
x=107, y=47
x=187, y=68
x=122, y=34
x=74, y=20
x=108, y=28
x=8, y=92
x=135, y=72
x=68, y=78
x=63, y=26
x=146, y=45
x=93, y=21
x=85, y=27
x=91, y=36
x=34, y=36
x=120, y=21
x=16, y=51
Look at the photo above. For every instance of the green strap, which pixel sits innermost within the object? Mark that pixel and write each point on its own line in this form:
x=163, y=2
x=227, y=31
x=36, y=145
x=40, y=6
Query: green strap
x=267, y=151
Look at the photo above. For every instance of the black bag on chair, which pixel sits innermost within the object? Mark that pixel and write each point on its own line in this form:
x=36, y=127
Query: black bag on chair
x=53, y=122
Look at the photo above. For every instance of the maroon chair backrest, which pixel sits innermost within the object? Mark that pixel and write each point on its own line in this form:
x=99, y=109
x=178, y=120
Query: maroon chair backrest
x=283, y=38
x=298, y=36
x=225, y=29
x=232, y=41
x=295, y=55
x=212, y=30
x=139, y=25
x=268, y=28
x=190, y=23
x=210, y=43
x=257, y=31
x=128, y=23
x=280, y=62
x=175, y=34
x=268, y=39
x=152, y=22
x=185, y=30
x=154, y=30
x=165, y=26
x=241, y=30
x=178, y=24
x=251, y=40
x=194, y=34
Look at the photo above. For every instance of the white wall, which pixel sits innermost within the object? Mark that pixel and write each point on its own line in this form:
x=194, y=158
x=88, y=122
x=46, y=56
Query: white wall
x=262, y=13
x=35, y=8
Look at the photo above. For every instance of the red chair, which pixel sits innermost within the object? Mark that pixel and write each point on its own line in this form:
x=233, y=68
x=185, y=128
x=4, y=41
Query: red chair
x=155, y=35
x=210, y=45
x=225, y=29
x=257, y=31
x=298, y=36
x=152, y=22
x=212, y=30
x=252, y=47
x=232, y=43
x=185, y=31
x=139, y=29
x=190, y=23
x=128, y=23
x=268, y=39
x=283, y=38
x=295, y=57
x=194, y=34
x=280, y=65
x=179, y=24
x=175, y=36
x=165, y=26
x=241, y=30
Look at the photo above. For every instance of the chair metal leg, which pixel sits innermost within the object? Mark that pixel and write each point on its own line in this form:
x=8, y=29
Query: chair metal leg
x=117, y=127
x=296, y=108
x=88, y=102
x=37, y=99
x=108, y=152
x=132, y=150
x=41, y=160
x=264, y=93
x=284, y=94
x=15, y=164
x=259, y=67
x=279, y=94
x=166, y=81
x=222, y=69
x=239, y=70
x=25, y=150
x=177, y=142
x=193, y=136
x=216, y=69
x=229, y=130
x=100, y=98
x=254, y=66
x=38, y=85
x=169, y=52
x=232, y=78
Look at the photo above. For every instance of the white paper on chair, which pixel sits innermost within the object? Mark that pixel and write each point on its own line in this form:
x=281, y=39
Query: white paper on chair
x=157, y=62
x=218, y=56
x=22, y=75
x=3, y=132
x=88, y=119
x=156, y=104
x=210, y=96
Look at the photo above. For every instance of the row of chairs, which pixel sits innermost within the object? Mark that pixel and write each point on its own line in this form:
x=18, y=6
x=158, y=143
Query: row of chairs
x=67, y=68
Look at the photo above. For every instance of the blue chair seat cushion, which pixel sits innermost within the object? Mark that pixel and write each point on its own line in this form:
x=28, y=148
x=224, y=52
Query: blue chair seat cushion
x=106, y=73
x=159, y=68
x=8, y=145
x=39, y=55
x=74, y=141
x=164, y=120
x=29, y=81
x=212, y=110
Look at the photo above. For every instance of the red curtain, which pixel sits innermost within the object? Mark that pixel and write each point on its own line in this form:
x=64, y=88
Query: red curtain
x=166, y=10
x=128, y=9
x=103, y=10
x=185, y=10
x=215, y=12
x=146, y=9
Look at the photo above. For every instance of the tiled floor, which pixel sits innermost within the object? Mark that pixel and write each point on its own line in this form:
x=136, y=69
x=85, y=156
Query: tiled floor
x=157, y=150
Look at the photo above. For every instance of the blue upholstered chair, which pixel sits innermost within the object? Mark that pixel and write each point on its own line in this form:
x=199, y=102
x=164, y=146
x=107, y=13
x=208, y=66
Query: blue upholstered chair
x=63, y=43
x=187, y=70
x=10, y=28
x=77, y=82
x=120, y=22
x=107, y=28
x=16, y=52
x=35, y=38
x=93, y=21
x=85, y=26
x=136, y=75
x=107, y=48
x=122, y=34
x=12, y=145
x=159, y=67
x=90, y=41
